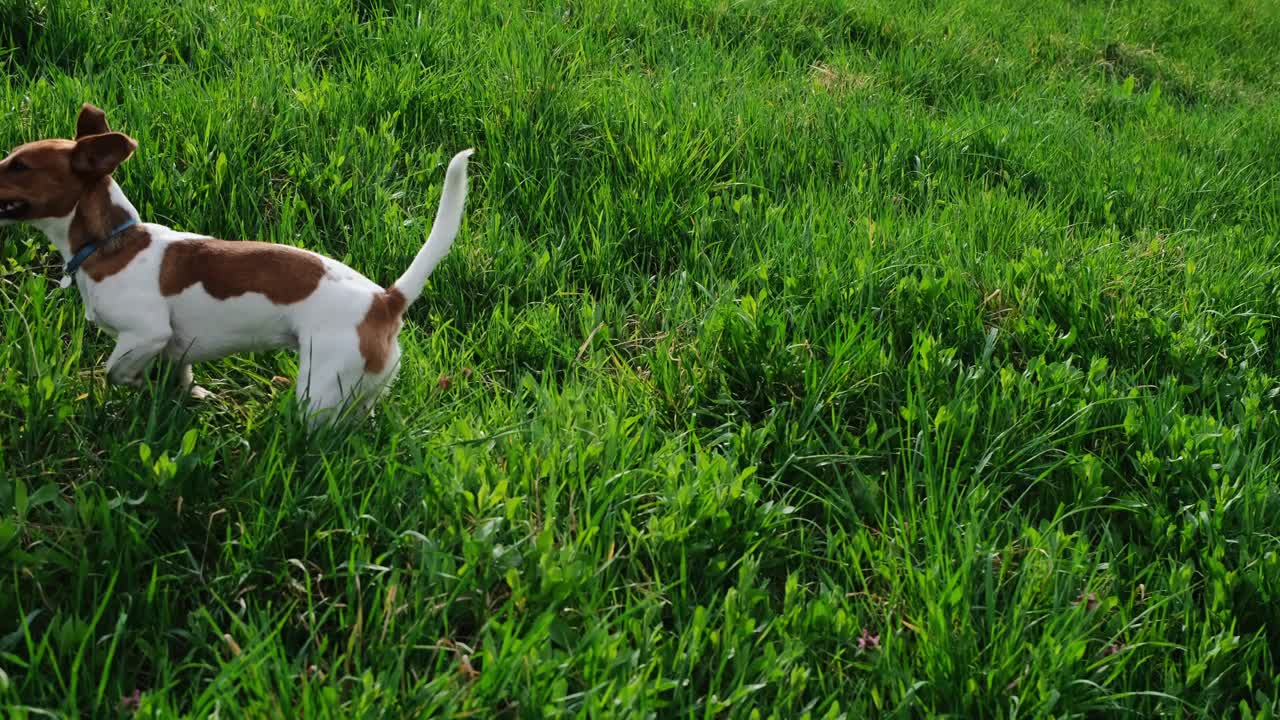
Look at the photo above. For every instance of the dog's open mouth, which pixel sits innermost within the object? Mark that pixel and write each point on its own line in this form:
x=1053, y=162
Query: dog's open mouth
x=12, y=209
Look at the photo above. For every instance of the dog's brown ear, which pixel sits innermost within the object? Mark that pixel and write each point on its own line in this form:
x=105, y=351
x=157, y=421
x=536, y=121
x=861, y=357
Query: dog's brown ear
x=92, y=121
x=99, y=155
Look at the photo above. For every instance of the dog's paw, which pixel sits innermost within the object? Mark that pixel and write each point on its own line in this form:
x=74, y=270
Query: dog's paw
x=200, y=393
x=129, y=381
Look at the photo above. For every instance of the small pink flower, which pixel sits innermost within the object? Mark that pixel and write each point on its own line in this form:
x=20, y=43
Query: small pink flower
x=1090, y=601
x=131, y=702
x=1113, y=648
x=867, y=641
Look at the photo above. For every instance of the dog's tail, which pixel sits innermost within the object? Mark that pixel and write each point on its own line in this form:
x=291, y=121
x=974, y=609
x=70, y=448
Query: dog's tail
x=443, y=230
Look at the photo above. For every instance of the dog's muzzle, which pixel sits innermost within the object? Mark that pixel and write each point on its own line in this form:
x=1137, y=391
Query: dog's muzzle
x=13, y=209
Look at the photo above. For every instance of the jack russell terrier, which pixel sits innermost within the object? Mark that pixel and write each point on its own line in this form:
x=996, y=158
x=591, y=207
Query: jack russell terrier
x=194, y=298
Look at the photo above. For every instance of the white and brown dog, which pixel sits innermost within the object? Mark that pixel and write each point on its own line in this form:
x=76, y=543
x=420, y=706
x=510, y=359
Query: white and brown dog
x=194, y=298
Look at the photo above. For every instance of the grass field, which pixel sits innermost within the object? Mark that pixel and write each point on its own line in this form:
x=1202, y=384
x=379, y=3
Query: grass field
x=797, y=358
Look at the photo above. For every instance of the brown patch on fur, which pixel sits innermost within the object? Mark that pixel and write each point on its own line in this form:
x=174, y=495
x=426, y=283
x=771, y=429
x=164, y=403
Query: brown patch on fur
x=124, y=248
x=379, y=328
x=46, y=183
x=91, y=121
x=49, y=183
x=94, y=220
x=54, y=177
x=225, y=269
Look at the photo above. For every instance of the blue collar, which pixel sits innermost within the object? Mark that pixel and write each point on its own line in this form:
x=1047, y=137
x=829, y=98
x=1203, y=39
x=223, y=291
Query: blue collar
x=78, y=259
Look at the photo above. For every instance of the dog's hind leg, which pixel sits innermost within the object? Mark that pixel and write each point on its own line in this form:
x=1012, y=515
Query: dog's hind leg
x=374, y=385
x=330, y=381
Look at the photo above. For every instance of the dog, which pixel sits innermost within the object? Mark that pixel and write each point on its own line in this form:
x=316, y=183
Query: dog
x=194, y=298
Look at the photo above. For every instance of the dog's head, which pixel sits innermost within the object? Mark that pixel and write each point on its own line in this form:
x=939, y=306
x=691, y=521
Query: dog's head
x=48, y=178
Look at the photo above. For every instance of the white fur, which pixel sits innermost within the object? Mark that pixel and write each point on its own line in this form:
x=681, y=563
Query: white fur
x=57, y=229
x=119, y=200
x=443, y=231
x=193, y=326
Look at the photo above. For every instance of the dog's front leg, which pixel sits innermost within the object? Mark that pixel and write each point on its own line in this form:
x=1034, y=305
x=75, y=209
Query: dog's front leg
x=187, y=381
x=132, y=354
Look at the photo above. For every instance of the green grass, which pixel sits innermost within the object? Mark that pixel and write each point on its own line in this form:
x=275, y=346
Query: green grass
x=771, y=322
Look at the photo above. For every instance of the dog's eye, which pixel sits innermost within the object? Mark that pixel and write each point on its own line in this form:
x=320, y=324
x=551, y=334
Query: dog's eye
x=18, y=166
